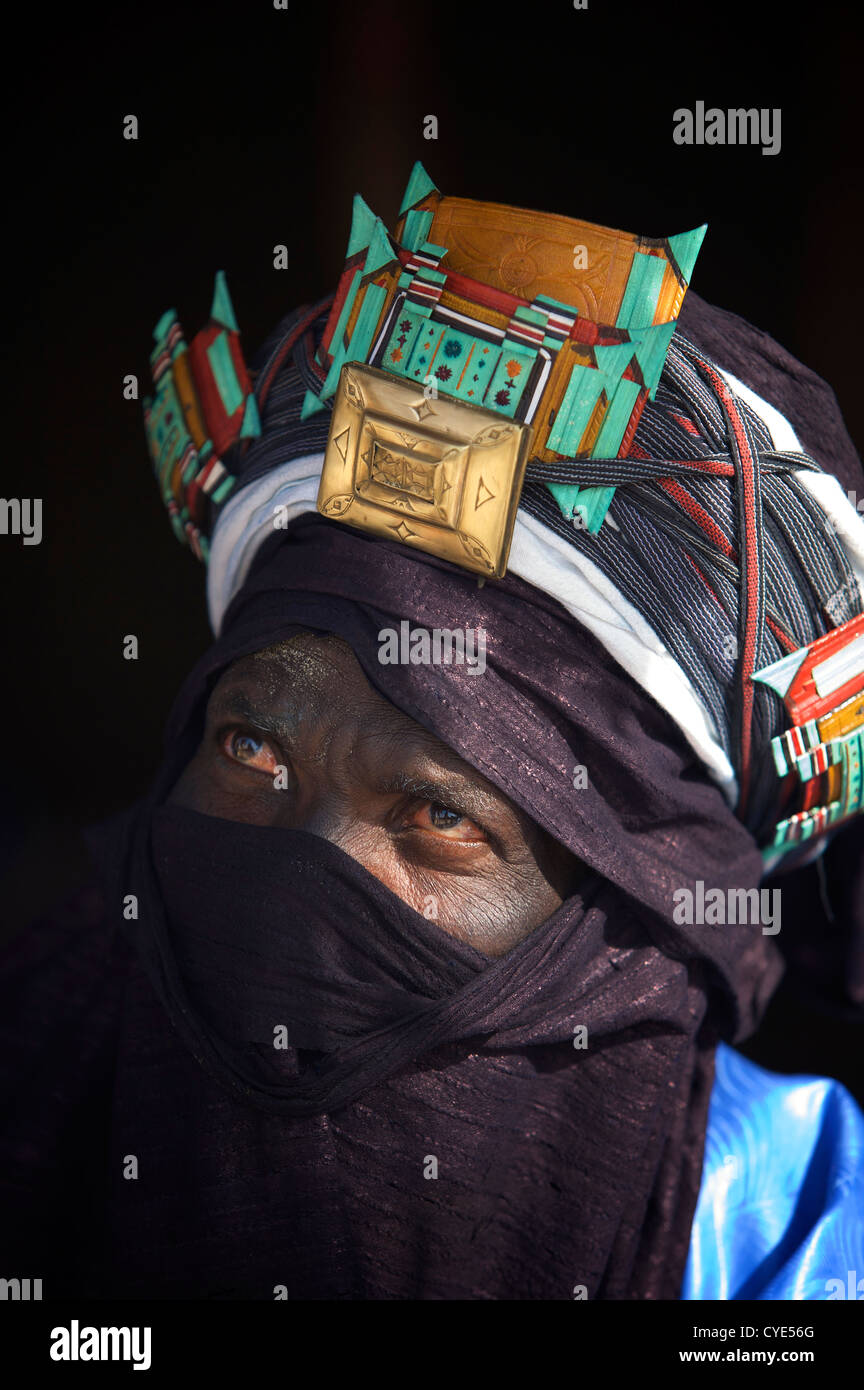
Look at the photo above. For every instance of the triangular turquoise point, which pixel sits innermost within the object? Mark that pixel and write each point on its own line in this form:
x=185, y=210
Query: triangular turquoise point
x=251, y=427
x=685, y=248
x=164, y=324
x=380, y=251
x=613, y=359
x=362, y=225
x=651, y=352
x=222, y=310
x=565, y=495
x=419, y=184
x=594, y=503
x=311, y=405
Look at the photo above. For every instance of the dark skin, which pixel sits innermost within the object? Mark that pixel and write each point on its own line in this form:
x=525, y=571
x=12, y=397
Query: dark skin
x=363, y=775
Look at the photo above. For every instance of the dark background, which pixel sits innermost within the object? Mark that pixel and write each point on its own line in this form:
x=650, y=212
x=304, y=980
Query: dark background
x=256, y=126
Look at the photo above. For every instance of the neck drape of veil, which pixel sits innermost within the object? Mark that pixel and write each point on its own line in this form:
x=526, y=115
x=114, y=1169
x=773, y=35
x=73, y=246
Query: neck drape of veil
x=559, y=1166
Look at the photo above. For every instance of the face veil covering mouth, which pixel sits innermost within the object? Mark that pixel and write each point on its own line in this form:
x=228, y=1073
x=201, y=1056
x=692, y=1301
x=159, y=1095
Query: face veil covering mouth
x=426, y=1120
x=322, y=1094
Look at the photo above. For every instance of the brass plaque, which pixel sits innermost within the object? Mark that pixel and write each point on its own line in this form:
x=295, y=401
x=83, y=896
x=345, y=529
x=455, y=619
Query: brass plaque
x=439, y=474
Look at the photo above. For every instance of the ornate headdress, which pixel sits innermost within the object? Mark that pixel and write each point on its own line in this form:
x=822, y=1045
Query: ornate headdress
x=507, y=390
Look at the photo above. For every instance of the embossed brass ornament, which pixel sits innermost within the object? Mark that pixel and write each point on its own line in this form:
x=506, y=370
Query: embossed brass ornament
x=438, y=474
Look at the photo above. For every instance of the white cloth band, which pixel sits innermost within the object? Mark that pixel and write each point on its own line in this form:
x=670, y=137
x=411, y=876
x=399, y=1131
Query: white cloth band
x=547, y=561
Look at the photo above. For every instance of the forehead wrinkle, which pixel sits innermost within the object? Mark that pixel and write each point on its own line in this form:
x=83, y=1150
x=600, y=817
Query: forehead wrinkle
x=319, y=672
x=324, y=711
x=305, y=647
x=297, y=682
x=384, y=736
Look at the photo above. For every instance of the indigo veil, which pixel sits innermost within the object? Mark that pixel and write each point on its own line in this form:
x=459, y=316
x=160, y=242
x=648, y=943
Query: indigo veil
x=432, y=1128
x=429, y=1131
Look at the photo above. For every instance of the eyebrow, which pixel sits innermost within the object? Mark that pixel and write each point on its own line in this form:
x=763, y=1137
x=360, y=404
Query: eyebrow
x=236, y=702
x=446, y=790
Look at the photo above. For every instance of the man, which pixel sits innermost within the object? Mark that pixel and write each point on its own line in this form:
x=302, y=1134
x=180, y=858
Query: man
x=538, y=644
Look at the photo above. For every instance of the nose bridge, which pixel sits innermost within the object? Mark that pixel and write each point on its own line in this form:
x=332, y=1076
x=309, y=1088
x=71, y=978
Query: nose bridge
x=324, y=815
x=324, y=757
x=322, y=803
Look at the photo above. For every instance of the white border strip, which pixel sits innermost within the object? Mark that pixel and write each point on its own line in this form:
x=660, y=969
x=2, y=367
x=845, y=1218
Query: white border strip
x=547, y=561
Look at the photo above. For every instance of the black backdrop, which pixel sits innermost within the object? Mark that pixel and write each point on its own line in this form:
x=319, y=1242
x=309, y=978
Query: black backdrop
x=256, y=126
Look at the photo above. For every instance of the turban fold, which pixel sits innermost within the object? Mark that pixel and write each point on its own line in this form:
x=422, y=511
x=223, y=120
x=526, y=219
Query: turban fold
x=435, y=1123
x=706, y=569
x=558, y=1165
x=310, y=1167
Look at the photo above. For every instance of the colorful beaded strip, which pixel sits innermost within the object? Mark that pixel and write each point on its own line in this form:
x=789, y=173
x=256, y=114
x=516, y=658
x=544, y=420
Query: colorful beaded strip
x=582, y=384
x=202, y=404
x=822, y=753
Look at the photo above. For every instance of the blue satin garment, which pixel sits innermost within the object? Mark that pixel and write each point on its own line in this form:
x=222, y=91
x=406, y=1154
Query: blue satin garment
x=781, y=1206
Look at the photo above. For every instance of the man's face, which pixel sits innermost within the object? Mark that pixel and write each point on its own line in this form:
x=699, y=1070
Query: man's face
x=360, y=773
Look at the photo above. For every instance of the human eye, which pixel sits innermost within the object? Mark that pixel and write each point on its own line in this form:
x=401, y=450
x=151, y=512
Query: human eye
x=445, y=822
x=241, y=745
